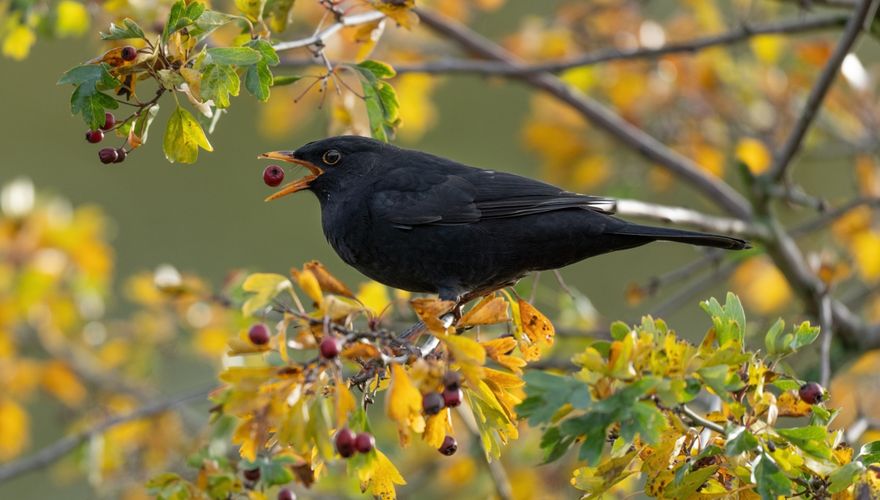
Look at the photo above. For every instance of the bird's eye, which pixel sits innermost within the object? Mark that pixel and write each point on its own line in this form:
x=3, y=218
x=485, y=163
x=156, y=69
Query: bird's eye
x=332, y=157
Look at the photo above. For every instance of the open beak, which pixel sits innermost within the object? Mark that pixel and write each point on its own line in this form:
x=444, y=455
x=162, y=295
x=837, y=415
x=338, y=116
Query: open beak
x=297, y=185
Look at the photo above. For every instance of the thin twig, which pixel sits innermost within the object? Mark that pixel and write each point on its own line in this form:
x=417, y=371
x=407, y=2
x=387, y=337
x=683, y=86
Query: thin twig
x=817, y=94
x=827, y=339
x=702, y=421
x=713, y=188
x=319, y=37
x=54, y=452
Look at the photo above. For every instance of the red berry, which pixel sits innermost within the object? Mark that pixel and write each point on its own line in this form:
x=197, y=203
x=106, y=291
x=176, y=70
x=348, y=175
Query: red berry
x=120, y=155
x=364, y=442
x=329, y=347
x=108, y=155
x=452, y=380
x=452, y=397
x=259, y=334
x=432, y=403
x=811, y=393
x=109, y=121
x=94, y=136
x=285, y=494
x=273, y=175
x=252, y=474
x=345, y=442
x=449, y=446
x=129, y=53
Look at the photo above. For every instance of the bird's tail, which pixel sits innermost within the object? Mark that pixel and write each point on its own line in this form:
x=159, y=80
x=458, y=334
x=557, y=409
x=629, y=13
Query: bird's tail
x=683, y=236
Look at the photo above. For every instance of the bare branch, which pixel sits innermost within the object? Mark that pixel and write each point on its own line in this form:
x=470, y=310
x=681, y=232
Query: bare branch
x=819, y=91
x=702, y=421
x=712, y=188
x=319, y=37
x=827, y=339
x=54, y=452
x=734, y=36
x=687, y=217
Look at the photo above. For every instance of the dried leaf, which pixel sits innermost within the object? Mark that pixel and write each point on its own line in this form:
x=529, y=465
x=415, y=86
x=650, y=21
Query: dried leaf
x=489, y=311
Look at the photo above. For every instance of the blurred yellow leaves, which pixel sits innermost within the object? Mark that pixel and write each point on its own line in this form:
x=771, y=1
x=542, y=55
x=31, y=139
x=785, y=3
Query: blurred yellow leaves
x=761, y=285
x=14, y=427
x=853, y=389
x=417, y=110
x=768, y=48
x=62, y=383
x=18, y=41
x=72, y=20
x=754, y=154
x=865, y=247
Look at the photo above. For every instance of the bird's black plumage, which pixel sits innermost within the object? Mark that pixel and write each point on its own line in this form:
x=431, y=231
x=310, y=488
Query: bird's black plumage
x=423, y=223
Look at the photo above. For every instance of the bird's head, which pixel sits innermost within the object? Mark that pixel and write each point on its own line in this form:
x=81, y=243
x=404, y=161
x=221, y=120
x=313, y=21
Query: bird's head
x=331, y=162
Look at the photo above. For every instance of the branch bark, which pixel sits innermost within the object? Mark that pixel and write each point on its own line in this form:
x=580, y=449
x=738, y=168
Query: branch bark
x=712, y=188
x=319, y=37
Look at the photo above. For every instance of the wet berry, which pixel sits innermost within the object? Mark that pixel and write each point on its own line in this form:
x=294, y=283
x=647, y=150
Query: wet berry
x=109, y=121
x=259, y=334
x=120, y=155
x=252, y=474
x=94, y=136
x=811, y=393
x=364, y=442
x=108, y=155
x=449, y=446
x=329, y=348
x=285, y=494
x=432, y=403
x=452, y=397
x=129, y=53
x=345, y=439
x=452, y=380
x=273, y=175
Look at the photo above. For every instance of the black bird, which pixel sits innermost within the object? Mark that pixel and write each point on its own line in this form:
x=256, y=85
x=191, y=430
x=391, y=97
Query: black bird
x=422, y=223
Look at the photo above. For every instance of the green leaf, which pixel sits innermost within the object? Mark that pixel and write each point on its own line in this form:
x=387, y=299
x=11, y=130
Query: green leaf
x=219, y=81
x=811, y=439
x=279, y=81
x=238, y=56
x=740, y=440
x=729, y=320
x=276, y=472
x=619, y=329
x=277, y=14
x=174, y=16
x=141, y=126
x=787, y=384
x=555, y=444
x=87, y=98
x=378, y=69
x=769, y=479
x=258, y=80
x=129, y=29
x=93, y=74
x=770, y=342
x=209, y=21
x=265, y=49
x=805, y=335
x=593, y=427
x=844, y=476
x=685, y=469
x=869, y=453
x=721, y=379
x=547, y=393
x=690, y=483
x=643, y=419
x=183, y=137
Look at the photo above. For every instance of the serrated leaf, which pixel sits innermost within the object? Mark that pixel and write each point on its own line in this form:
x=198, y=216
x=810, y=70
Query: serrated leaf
x=183, y=137
x=219, y=81
x=128, y=29
x=87, y=99
x=209, y=21
x=740, y=440
x=844, y=476
x=265, y=49
x=547, y=393
x=236, y=56
x=174, y=16
x=378, y=69
x=258, y=80
x=769, y=479
x=94, y=74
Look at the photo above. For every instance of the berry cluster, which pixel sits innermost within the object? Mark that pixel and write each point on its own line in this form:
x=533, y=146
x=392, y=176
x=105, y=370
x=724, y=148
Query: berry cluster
x=106, y=155
x=253, y=475
x=347, y=442
x=434, y=402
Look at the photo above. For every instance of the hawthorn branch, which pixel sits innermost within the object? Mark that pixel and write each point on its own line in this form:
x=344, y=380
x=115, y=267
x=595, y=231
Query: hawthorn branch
x=318, y=38
x=686, y=169
x=740, y=34
x=817, y=95
x=56, y=451
x=702, y=421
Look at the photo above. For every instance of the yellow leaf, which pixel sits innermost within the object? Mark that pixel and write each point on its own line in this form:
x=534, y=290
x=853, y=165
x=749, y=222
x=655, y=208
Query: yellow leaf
x=436, y=429
x=791, y=405
x=253, y=9
x=328, y=282
x=489, y=311
x=246, y=435
x=768, y=48
x=309, y=284
x=385, y=476
x=430, y=311
x=72, y=20
x=866, y=250
x=499, y=349
x=14, y=427
x=62, y=383
x=345, y=401
x=754, y=154
x=417, y=110
x=18, y=42
x=183, y=137
x=761, y=285
x=374, y=296
x=211, y=341
x=404, y=404
x=399, y=10
x=591, y=171
x=465, y=350
x=710, y=159
x=266, y=286
x=537, y=328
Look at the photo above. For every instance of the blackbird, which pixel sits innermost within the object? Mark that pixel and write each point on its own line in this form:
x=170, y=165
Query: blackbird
x=422, y=223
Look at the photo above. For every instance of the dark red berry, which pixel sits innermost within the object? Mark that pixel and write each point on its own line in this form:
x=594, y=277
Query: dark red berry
x=364, y=442
x=108, y=155
x=94, y=136
x=285, y=494
x=273, y=175
x=452, y=398
x=449, y=446
x=259, y=334
x=329, y=348
x=452, y=380
x=109, y=121
x=811, y=393
x=129, y=53
x=432, y=403
x=252, y=474
x=120, y=155
x=345, y=442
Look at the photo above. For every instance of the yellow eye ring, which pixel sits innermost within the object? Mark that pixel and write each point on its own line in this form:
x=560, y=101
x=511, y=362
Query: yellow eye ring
x=332, y=157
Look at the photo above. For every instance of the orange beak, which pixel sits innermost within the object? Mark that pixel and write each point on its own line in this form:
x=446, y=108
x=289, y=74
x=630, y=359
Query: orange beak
x=297, y=185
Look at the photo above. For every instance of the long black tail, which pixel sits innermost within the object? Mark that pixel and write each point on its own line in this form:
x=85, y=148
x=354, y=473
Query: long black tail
x=682, y=236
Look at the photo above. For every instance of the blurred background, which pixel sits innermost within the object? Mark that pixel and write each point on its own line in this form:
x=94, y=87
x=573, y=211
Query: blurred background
x=209, y=219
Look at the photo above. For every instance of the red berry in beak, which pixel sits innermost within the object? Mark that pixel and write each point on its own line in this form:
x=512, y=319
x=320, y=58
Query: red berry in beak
x=273, y=175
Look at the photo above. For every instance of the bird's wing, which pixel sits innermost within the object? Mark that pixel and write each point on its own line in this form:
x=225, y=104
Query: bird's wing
x=406, y=198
